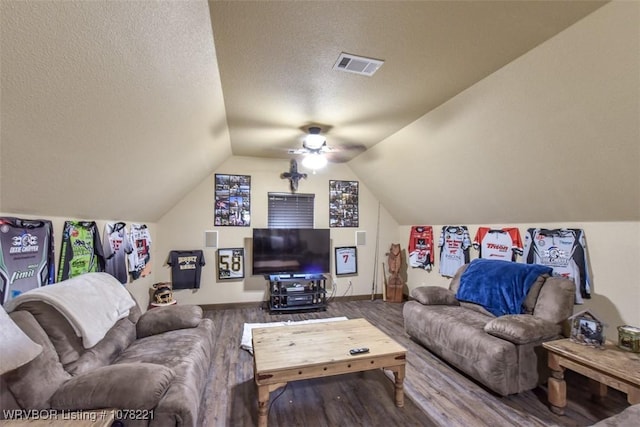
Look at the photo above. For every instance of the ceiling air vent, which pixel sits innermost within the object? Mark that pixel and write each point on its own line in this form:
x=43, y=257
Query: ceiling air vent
x=357, y=64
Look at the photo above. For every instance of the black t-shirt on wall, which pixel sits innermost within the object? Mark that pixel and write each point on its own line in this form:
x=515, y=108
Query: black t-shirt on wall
x=186, y=267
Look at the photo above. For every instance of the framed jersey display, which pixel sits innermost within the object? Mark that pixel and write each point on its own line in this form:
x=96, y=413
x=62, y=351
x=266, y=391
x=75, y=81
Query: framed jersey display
x=230, y=263
x=233, y=200
x=343, y=204
x=346, y=260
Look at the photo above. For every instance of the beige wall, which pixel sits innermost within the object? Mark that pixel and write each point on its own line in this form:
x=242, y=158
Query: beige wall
x=183, y=228
x=139, y=288
x=613, y=250
x=553, y=136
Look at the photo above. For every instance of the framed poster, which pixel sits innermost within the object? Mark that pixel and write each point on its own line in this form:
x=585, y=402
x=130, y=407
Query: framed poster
x=233, y=200
x=343, y=203
x=346, y=260
x=230, y=263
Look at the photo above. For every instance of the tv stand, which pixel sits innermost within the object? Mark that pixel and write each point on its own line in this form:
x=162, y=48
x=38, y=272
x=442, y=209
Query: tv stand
x=296, y=292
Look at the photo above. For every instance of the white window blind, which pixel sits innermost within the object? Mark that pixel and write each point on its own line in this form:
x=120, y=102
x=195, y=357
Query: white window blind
x=290, y=210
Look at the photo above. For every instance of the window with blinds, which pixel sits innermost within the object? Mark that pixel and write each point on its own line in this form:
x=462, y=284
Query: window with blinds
x=290, y=210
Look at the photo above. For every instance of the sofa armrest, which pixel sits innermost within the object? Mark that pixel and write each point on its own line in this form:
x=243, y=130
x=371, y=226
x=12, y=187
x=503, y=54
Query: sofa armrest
x=124, y=385
x=163, y=319
x=434, y=295
x=522, y=328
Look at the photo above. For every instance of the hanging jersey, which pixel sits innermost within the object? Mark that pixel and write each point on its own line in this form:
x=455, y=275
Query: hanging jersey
x=140, y=256
x=26, y=256
x=454, y=246
x=421, y=247
x=186, y=267
x=116, y=246
x=502, y=244
x=81, y=250
x=565, y=251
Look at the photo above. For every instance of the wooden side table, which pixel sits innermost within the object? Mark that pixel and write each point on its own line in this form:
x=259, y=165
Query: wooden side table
x=607, y=367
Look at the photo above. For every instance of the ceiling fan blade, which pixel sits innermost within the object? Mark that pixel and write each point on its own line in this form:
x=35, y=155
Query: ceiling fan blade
x=298, y=151
x=345, y=152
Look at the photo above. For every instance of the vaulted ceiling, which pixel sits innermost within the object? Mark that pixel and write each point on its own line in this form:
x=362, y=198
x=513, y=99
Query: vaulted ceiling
x=116, y=109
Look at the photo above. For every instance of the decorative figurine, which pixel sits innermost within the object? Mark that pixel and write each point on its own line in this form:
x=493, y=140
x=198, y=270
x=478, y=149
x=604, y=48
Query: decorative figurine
x=293, y=175
x=394, y=284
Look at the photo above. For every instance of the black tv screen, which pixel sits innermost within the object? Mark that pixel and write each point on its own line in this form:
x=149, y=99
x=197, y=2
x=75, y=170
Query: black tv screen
x=291, y=251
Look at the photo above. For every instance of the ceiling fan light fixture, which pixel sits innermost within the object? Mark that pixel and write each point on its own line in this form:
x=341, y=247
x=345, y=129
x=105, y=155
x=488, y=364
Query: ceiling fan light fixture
x=314, y=161
x=314, y=141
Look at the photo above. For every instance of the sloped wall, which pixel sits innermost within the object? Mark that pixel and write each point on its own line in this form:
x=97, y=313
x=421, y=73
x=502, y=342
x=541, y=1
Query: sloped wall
x=551, y=137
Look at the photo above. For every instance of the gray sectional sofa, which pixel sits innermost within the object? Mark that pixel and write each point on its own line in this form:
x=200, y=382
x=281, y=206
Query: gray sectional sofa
x=153, y=366
x=499, y=351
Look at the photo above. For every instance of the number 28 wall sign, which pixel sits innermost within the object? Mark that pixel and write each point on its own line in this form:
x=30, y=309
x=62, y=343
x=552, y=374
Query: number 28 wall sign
x=230, y=263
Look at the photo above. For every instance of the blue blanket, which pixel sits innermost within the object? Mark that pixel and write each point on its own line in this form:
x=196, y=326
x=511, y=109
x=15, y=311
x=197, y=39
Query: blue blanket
x=499, y=286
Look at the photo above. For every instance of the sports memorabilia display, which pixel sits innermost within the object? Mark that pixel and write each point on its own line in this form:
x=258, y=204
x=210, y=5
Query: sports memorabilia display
x=140, y=256
x=346, y=260
x=343, y=204
x=116, y=246
x=186, y=268
x=421, y=247
x=231, y=263
x=81, y=250
x=454, y=246
x=233, y=200
x=26, y=256
x=565, y=251
x=502, y=244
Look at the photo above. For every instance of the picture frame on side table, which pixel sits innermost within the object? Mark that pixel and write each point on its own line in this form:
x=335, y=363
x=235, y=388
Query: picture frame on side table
x=231, y=264
x=587, y=329
x=346, y=260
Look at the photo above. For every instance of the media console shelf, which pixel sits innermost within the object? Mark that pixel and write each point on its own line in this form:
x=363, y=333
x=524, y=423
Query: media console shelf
x=296, y=292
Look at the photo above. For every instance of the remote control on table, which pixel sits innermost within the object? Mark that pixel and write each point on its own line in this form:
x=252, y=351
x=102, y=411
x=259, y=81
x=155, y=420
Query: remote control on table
x=355, y=351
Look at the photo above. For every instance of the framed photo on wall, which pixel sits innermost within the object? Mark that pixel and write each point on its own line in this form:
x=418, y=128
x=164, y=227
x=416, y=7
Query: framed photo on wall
x=346, y=259
x=230, y=263
x=232, y=200
x=343, y=204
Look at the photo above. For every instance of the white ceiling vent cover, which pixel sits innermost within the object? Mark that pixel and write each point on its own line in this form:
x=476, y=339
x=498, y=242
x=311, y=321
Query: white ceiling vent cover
x=357, y=64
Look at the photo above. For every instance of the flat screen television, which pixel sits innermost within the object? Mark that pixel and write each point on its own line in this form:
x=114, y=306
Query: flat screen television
x=291, y=251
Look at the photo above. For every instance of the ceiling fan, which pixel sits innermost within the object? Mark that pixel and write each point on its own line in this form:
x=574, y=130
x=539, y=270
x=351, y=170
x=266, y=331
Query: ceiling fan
x=317, y=153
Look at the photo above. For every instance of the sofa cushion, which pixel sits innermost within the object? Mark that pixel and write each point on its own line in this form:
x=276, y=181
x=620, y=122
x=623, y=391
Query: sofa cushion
x=522, y=328
x=163, y=319
x=455, y=280
x=434, y=295
x=18, y=349
x=33, y=384
x=457, y=335
x=125, y=385
x=119, y=337
x=67, y=343
x=532, y=297
x=555, y=300
x=188, y=352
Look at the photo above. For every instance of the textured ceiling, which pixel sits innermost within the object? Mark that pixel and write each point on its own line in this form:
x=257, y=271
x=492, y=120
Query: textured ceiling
x=116, y=109
x=276, y=60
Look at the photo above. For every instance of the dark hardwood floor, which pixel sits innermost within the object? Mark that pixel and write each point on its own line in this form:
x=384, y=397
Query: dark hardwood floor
x=435, y=393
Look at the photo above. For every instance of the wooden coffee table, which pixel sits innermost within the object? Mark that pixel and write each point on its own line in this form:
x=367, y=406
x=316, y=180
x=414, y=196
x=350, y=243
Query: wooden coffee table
x=313, y=350
x=610, y=367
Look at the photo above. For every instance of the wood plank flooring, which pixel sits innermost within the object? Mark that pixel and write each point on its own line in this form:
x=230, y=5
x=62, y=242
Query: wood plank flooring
x=435, y=393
